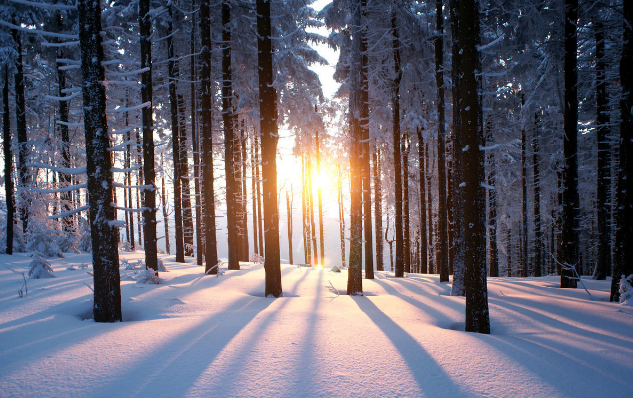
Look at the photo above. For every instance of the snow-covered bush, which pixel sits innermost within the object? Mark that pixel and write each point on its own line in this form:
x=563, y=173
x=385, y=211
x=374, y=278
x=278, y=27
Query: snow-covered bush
x=626, y=290
x=161, y=266
x=84, y=238
x=42, y=238
x=256, y=258
x=149, y=276
x=40, y=268
x=18, y=241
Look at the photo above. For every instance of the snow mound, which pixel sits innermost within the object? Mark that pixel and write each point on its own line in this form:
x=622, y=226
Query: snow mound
x=40, y=268
x=149, y=277
x=626, y=290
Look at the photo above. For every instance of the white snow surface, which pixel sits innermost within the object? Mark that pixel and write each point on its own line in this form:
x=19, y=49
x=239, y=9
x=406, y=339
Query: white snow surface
x=208, y=336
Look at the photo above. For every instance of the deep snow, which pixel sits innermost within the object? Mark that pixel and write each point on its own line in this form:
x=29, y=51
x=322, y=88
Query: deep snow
x=207, y=336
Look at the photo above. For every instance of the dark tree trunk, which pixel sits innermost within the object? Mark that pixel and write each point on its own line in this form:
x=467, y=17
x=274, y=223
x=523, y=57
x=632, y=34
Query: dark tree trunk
x=378, y=210
x=397, y=162
x=245, y=256
x=229, y=139
x=423, y=239
x=569, y=233
x=524, y=197
x=254, y=193
x=538, y=233
x=8, y=161
x=104, y=236
x=172, y=67
x=355, y=274
x=493, y=268
x=405, y=204
x=604, y=162
x=195, y=145
x=129, y=182
x=341, y=212
x=456, y=206
x=623, y=266
x=260, y=215
x=269, y=131
x=164, y=200
x=429, y=215
x=442, y=229
x=149, y=175
x=206, y=132
x=24, y=180
x=477, y=316
x=187, y=214
x=365, y=161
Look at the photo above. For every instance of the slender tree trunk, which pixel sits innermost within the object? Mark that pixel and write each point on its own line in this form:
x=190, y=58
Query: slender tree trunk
x=509, y=250
x=365, y=161
x=477, y=316
x=8, y=161
x=104, y=236
x=245, y=256
x=254, y=193
x=206, y=130
x=493, y=268
x=229, y=139
x=320, y=200
x=195, y=145
x=260, y=215
x=442, y=229
x=378, y=210
x=307, y=246
x=315, y=258
x=569, y=244
x=149, y=191
x=622, y=265
x=524, y=195
x=355, y=274
x=24, y=180
x=268, y=123
x=538, y=233
x=429, y=200
x=341, y=212
x=422, y=172
x=164, y=200
x=396, y=150
x=185, y=184
x=604, y=162
x=289, y=215
x=405, y=204
x=129, y=182
x=457, y=251
x=172, y=67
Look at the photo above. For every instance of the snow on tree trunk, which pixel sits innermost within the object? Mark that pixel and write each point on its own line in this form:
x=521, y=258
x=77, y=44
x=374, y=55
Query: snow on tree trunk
x=269, y=134
x=477, y=316
x=104, y=236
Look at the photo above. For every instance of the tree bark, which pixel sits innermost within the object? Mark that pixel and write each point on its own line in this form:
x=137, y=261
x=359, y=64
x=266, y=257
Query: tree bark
x=538, y=233
x=569, y=233
x=8, y=161
x=206, y=132
x=399, y=236
x=104, y=236
x=422, y=172
x=624, y=236
x=269, y=131
x=364, y=128
x=405, y=204
x=195, y=145
x=477, y=316
x=149, y=175
x=525, y=272
x=378, y=210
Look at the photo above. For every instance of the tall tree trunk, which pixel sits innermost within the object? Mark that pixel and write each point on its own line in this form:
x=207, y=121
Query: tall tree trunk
x=307, y=241
x=254, y=193
x=569, y=236
x=538, y=233
x=164, y=200
x=457, y=250
x=269, y=131
x=172, y=67
x=341, y=212
x=129, y=182
x=289, y=215
x=320, y=204
x=24, y=180
x=422, y=172
x=442, y=229
x=396, y=149
x=149, y=191
x=315, y=258
x=104, y=236
x=260, y=215
x=405, y=204
x=245, y=256
x=64, y=179
x=206, y=132
x=355, y=274
x=364, y=128
x=229, y=139
x=195, y=145
x=433, y=268
x=493, y=268
x=378, y=210
x=524, y=195
x=185, y=184
x=8, y=161
x=624, y=235
x=604, y=163
x=474, y=195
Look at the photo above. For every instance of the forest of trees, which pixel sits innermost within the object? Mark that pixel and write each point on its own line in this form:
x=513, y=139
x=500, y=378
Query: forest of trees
x=491, y=138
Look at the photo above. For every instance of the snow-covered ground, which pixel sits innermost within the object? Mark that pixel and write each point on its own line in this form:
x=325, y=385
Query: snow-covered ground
x=207, y=336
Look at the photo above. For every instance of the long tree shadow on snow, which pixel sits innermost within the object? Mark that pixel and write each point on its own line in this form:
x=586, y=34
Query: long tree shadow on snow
x=430, y=377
